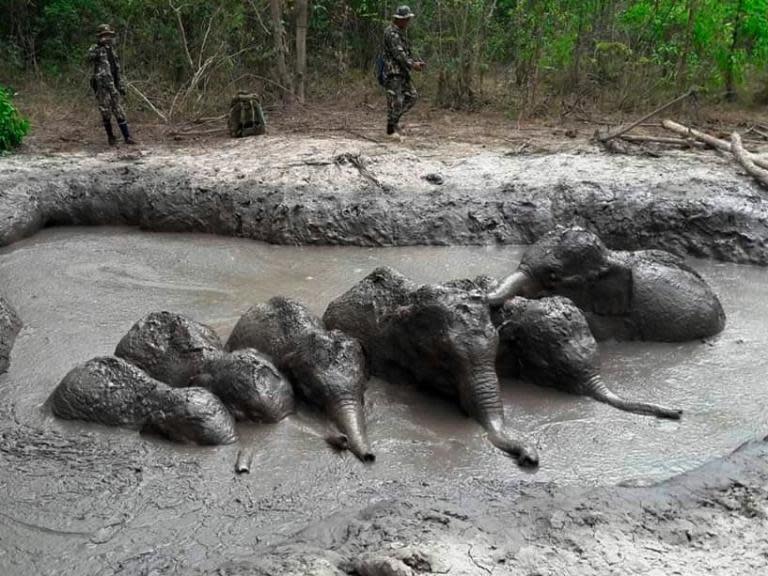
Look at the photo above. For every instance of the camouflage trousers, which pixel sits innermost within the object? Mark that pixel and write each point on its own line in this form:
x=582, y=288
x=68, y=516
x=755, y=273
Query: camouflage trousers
x=108, y=100
x=401, y=96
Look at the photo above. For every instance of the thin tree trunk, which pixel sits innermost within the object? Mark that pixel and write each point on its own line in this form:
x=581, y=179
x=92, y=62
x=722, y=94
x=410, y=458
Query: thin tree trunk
x=302, y=19
x=278, y=34
x=730, y=89
x=682, y=65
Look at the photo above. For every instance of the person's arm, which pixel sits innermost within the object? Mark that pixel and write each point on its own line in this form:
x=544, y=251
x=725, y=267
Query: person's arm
x=93, y=53
x=118, y=74
x=397, y=50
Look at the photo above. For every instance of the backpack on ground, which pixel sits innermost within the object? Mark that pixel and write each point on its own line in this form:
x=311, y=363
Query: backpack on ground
x=246, y=118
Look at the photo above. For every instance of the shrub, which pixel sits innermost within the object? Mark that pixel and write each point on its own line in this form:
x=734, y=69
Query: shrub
x=13, y=127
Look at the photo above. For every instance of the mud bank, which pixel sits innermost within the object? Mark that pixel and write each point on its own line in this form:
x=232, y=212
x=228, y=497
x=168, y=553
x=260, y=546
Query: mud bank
x=293, y=190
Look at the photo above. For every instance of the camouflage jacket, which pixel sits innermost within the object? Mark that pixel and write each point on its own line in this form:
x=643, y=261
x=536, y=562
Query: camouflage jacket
x=106, y=67
x=398, y=58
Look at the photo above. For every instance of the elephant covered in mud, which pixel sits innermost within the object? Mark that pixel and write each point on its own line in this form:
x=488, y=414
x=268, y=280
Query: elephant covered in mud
x=250, y=386
x=10, y=325
x=644, y=295
x=548, y=342
x=438, y=337
x=169, y=347
x=327, y=368
x=181, y=352
x=112, y=392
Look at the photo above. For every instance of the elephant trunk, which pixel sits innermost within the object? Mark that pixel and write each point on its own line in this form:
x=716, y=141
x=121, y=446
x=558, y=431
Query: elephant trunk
x=484, y=404
x=518, y=284
x=596, y=388
x=349, y=418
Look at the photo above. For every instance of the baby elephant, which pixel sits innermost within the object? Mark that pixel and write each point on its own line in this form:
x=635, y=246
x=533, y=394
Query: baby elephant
x=249, y=385
x=169, y=347
x=181, y=352
x=328, y=368
x=112, y=392
x=645, y=295
x=437, y=337
x=548, y=341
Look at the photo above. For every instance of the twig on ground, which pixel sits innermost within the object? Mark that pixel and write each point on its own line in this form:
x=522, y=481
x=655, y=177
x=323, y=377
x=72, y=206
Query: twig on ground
x=688, y=142
x=747, y=161
x=476, y=563
x=624, y=129
x=358, y=162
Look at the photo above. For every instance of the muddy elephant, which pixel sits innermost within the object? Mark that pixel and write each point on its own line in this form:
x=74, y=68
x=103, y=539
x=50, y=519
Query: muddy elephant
x=112, y=392
x=437, y=337
x=181, y=352
x=548, y=342
x=644, y=295
x=170, y=347
x=10, y=325
x=250, y=386
x=327, y=368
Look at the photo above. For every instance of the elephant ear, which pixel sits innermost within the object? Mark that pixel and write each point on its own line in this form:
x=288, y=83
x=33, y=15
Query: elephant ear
x=611, y=291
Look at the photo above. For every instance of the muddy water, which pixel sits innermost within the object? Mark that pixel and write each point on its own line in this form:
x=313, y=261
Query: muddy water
x=79, y=290
x=82, y=499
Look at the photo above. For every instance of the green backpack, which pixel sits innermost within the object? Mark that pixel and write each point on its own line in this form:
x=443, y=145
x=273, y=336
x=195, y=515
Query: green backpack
x=246, y=118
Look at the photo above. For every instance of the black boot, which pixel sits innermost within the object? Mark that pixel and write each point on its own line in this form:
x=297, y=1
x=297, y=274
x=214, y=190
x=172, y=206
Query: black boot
x=126, y=134
x=110, y=135
x=390, y=128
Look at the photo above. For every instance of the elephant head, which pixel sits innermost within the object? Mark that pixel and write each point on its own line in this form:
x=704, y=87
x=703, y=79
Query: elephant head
x=250, y=386
x=112, y=392
x=549, y=342
x=327, y=368
x=645, y=295
x=169, y=347
x=436, y=336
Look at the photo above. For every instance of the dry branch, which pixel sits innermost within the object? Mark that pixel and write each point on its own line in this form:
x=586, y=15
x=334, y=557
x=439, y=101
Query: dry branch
x=708, y=139
x=688, y=142
x=747, y=161
x=624, y=129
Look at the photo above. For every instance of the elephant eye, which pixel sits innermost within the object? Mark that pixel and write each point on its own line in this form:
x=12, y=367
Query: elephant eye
x=553, y=277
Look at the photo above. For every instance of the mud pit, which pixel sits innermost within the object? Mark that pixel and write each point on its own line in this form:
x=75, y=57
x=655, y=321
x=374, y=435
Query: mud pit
x=104, y=501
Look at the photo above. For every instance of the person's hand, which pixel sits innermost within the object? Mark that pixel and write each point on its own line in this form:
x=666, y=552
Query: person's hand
x=418, y=66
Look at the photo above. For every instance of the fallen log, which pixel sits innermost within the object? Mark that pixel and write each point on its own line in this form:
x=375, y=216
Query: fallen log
x=747, y=161
x=708, y=139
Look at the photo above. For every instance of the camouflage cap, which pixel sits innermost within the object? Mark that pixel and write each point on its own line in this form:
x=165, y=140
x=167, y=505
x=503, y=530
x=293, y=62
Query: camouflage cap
x=403, y=13
x=105, y=30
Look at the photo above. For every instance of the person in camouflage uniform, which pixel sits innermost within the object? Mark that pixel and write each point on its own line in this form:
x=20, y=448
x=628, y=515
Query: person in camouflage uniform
x=398, y=63
x=107, y=84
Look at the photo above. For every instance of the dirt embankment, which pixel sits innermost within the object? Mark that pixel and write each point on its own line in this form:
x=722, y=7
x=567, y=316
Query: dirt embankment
x=294, y=190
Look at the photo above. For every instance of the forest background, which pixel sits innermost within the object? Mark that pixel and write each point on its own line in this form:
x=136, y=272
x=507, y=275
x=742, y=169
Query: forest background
x=184, y=59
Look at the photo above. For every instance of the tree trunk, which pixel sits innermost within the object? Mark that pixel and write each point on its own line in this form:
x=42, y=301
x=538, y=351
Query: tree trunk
x=278, y=34
x=302, y=19
x=730, y=89
x=682, y=64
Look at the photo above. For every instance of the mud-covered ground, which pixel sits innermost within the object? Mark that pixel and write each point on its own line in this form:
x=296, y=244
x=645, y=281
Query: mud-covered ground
x=335, y=190
x=109, y=504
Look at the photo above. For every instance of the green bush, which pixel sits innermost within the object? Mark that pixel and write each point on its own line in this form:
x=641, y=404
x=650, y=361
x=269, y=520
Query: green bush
x=13, y=127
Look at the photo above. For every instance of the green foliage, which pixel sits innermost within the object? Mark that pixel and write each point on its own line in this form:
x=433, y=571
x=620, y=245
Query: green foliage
x=13, y=127
x=524, y=52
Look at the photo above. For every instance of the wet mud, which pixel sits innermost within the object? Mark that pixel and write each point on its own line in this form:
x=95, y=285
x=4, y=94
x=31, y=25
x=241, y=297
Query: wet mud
x=298, y=190
x=83, y=499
